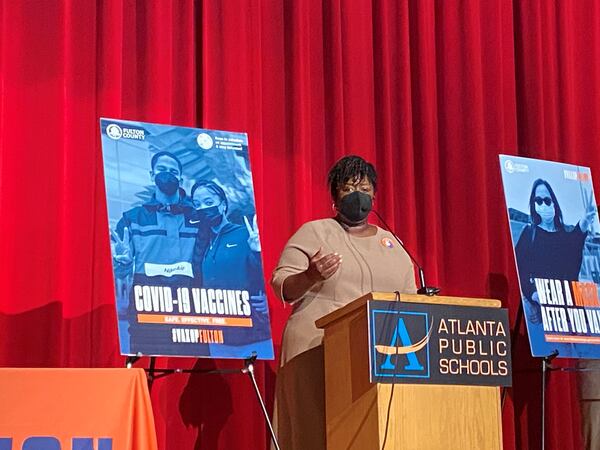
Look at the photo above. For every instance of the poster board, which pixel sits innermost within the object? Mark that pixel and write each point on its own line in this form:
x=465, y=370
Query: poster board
x=555, y=232
x=184, y=242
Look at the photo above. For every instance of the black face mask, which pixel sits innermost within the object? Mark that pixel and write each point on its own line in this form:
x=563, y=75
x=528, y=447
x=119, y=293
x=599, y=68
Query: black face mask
x=210, y=216
x=166, y=182
x=355, y=207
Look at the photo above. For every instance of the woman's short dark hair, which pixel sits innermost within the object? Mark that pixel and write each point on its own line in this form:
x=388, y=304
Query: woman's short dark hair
x=535, y=217
x=213, y=187
x=350, y=168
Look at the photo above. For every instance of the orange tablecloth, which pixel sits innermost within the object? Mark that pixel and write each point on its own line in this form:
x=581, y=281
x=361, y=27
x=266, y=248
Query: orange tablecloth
x=62, y=404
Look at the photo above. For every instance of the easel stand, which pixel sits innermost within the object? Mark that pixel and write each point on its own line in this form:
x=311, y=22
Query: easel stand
x=154, y=373
x=249, y=369
x=546, y=368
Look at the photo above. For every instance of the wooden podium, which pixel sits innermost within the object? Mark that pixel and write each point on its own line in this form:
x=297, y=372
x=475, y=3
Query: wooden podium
x=421, y=416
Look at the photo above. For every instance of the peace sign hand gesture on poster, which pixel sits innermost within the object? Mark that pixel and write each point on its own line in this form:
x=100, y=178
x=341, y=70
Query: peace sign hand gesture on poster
x=121, y=249
x=253, y=241
x=587, y=221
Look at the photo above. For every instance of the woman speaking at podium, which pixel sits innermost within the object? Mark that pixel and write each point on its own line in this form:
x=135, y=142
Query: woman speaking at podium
x=326, y=264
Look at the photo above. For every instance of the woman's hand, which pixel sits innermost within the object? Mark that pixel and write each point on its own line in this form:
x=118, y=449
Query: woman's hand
x=533, y=310
x=322, y=267
x=259, y=303
x=587, y=221
x=253, y=241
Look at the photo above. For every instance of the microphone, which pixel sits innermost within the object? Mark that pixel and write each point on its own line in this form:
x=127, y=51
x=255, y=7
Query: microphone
x=424, y=289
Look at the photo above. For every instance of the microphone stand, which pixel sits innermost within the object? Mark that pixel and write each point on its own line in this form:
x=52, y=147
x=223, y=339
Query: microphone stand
x=423, y=289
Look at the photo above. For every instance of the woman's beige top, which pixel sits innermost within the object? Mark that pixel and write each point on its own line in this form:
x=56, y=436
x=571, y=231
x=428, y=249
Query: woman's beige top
x=374, y=263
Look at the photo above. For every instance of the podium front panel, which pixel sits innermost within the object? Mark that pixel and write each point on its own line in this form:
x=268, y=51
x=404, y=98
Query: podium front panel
x=362, y=415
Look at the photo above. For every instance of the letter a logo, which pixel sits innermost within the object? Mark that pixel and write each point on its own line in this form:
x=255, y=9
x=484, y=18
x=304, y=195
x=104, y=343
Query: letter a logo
x=399, y=342
x=407, y=348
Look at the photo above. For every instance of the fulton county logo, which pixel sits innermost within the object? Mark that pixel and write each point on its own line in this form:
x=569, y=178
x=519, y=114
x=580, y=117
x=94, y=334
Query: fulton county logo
x=387, y=242
x=205, y=141
x=401, y=343
x=114, y=131
x=512, y=167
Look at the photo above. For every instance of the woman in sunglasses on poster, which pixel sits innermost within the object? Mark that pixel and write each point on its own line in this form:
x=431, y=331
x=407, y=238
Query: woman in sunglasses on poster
x=547, y=248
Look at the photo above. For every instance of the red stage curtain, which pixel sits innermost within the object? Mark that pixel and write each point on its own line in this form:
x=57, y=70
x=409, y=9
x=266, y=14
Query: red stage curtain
x=430, y=91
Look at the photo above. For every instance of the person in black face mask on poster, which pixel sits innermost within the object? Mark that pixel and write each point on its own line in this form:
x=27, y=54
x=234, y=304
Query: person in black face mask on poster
x=227, y=256
x=326, y=264
x=153, y=245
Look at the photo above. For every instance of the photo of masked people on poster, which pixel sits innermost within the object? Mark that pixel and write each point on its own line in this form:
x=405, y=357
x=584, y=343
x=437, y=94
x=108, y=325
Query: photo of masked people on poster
x=153, y=246
x=184, y=238
x=548, y=248
x=227, y=256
